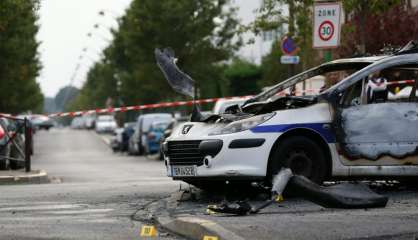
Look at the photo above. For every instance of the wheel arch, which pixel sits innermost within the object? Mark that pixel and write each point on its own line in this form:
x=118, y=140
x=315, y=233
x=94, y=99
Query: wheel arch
x=306, y=132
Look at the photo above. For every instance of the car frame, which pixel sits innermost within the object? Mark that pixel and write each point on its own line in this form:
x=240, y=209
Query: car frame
x=317, y=125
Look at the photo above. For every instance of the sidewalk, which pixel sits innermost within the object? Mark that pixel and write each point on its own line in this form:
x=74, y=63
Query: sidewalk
x=22, y=177
x=292, y=219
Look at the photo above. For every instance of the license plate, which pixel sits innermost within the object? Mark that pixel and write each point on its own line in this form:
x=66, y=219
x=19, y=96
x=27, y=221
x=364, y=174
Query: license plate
x=183, y=171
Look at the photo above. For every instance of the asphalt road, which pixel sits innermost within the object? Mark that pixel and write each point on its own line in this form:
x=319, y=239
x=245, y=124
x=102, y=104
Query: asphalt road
x=93, y=195
x=96, y=194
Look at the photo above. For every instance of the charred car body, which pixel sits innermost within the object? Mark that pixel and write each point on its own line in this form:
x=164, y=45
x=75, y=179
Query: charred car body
x=360, y=126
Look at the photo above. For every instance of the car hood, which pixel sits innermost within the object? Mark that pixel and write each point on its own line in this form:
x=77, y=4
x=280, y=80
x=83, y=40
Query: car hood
x=194, y=130
x=106, y=124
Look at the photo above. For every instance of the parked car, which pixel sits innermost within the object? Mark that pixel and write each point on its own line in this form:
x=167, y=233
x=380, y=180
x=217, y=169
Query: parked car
x=143, y=124
x=350, y=129
x=106, y=123
x=167, y=132
x=41, y=122
x=12, y=152
x=89, y=121
x=116, y=141
x=17, y=151
x=4, y=146
x=154, y=135
x=77, y=123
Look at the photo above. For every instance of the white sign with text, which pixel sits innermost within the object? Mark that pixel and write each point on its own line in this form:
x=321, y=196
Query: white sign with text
x=327, y=29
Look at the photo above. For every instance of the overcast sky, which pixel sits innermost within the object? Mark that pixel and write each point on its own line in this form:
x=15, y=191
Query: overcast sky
x=64, y=25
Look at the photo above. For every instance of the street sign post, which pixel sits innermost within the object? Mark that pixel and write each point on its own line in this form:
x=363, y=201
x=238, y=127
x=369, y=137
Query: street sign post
x=289, y=49
x=285, y=59
x=327, y=29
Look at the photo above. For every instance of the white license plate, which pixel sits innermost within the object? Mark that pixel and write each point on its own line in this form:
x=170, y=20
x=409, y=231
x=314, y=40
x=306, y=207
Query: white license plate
x=183, y=171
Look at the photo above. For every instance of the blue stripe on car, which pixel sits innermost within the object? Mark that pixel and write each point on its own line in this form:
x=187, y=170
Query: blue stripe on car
x=326, y=133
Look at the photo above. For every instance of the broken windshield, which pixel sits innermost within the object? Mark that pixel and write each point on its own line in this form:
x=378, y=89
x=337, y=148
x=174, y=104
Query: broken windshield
x=311, y=82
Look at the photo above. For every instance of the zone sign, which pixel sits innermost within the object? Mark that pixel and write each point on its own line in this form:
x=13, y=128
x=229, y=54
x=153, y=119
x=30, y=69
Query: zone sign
x=327, y=23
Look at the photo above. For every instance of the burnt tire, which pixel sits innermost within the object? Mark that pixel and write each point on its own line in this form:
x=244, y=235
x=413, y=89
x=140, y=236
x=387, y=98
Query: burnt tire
x=303, y=156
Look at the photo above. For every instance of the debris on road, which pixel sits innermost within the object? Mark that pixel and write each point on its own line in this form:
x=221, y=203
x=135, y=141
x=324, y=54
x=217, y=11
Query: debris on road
x=344, y=195
x=280, y=182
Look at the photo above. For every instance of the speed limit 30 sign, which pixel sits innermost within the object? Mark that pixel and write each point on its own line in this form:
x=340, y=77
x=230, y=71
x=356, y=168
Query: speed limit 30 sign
x=327, y=28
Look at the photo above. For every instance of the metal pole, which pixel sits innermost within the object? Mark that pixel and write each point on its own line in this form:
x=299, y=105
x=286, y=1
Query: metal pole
x=28, y=141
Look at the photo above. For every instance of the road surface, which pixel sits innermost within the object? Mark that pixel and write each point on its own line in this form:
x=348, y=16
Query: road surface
x=93, y=195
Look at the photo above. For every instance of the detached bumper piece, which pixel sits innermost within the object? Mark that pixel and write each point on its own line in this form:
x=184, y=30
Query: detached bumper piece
x=345, y=195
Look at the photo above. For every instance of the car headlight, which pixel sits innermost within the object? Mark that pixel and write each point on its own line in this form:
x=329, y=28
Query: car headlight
x=242, y=125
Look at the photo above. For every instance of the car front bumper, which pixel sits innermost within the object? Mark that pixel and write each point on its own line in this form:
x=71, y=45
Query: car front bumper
x=238, y=155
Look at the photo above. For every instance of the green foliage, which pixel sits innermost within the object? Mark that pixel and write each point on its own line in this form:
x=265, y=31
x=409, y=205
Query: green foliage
x=369, y=6
x=273, y=71
x=243, y=77
x=200, y=32
x=19, y=61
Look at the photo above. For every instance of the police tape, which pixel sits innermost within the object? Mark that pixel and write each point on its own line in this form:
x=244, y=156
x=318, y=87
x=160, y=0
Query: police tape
x=143, y=107
x=168, y=104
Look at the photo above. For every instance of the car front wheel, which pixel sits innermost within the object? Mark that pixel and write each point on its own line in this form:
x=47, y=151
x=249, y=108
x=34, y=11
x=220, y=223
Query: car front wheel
x=303, y=156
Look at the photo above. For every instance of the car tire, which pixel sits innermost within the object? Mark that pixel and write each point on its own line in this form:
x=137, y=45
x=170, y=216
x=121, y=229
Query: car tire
x=14, y=165
x=303, y=156
x=140, y=149
x=4, y=161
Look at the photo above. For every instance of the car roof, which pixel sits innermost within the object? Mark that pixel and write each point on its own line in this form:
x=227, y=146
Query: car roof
x=370, y=59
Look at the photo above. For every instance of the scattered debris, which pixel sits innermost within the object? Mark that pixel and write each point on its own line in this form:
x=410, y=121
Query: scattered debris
x=344, y=195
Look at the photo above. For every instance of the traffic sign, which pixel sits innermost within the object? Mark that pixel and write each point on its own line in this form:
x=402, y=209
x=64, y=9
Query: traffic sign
x=285, y=59
x=327, y=23
x=288, y=46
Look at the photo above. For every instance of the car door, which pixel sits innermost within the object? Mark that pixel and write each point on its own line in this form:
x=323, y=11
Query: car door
x=380, y=130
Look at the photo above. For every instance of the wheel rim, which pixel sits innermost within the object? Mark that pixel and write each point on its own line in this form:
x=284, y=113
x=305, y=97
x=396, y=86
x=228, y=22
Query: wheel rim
x=299, y=162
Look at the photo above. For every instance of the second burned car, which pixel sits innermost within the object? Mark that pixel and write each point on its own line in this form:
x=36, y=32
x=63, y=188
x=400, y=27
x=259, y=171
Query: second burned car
x=362, y=124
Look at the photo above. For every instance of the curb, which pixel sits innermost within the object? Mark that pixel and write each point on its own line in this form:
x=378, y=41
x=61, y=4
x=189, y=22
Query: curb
x=34, y=177
x=187, y=226
x=196, y=228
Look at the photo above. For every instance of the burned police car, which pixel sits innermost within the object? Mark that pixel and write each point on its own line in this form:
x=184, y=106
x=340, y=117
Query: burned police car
x=362, y=122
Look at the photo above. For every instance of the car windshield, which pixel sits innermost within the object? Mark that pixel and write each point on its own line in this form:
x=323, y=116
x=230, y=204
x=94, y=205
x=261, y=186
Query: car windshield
x=106, y=119
x=160, y=126
x=312, y=82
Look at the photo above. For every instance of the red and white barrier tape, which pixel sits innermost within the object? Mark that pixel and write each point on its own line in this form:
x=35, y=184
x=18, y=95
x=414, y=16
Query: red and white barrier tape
x=141, y=107
x=167, y=104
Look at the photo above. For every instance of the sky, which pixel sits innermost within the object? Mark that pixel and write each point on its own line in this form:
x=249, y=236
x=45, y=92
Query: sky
x=64, y=25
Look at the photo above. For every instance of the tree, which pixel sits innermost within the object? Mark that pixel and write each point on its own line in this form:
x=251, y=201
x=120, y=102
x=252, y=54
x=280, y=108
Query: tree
x=19, y=61
x=64, y=96
x=299, y=27
x=242, y=77
x=273, y=71
x=200, y=32
x=391, y=24
x=361, y=10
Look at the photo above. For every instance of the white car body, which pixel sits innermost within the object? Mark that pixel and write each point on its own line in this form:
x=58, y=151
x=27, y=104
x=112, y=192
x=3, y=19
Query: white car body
x=105, y=123
x=323, y=120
